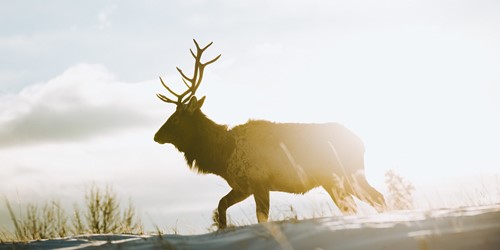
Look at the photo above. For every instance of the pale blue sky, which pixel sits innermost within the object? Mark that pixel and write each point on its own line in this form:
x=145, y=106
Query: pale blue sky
x=417, y=80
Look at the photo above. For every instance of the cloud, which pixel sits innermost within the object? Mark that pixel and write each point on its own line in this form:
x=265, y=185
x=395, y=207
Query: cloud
x=84, y=101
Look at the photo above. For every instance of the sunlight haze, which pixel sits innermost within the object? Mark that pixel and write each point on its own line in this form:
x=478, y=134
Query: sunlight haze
x=418, y=81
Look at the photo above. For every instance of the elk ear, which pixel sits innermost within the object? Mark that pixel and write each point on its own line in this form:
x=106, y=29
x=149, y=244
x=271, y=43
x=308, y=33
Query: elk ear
x=201, y=101
x=194, y=104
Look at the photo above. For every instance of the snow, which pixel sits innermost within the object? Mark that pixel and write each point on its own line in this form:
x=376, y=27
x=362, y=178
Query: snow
x=459, y=228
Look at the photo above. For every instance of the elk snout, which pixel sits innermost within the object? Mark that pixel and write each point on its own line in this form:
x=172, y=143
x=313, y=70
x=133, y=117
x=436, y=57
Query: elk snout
x=159, y=139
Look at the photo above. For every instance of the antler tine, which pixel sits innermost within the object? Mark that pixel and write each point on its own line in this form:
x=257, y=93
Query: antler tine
x=182, y=74
x=202, y=67
x=213, y=60
x=192, y=53
x=169, y=90
x=204, y=48
x=198, y=49
x=165, y=99
x=196, y=43
x=185, y=83
x=179, y=96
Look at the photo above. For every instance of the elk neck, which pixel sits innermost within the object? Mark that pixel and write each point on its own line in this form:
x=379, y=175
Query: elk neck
x=212, y=148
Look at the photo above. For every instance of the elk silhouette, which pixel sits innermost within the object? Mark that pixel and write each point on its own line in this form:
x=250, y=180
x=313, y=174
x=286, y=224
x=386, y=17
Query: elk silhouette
x=261, y=156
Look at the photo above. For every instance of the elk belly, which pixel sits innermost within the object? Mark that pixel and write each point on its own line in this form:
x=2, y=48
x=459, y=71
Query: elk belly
x=272, y=168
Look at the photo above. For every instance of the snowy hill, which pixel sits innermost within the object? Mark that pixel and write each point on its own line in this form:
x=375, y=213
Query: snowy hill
x=464, y=228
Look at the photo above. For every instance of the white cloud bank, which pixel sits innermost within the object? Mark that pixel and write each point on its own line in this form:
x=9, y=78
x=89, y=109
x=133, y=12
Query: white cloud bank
x=84, y=101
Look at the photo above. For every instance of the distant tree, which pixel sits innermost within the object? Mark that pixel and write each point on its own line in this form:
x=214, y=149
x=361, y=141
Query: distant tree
x=400, y=191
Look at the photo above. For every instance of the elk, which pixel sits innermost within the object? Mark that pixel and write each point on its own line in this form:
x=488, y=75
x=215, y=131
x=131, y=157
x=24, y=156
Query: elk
x=261, y=156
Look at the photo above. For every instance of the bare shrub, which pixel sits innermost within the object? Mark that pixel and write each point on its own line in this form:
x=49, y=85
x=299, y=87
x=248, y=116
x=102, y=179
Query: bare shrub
x=101, y=214
x=400, y=191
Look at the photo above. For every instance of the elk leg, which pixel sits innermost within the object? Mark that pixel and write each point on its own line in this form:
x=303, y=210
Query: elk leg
x=365, y=192
x=262, y=205
x=233, y=197
x=342, y=199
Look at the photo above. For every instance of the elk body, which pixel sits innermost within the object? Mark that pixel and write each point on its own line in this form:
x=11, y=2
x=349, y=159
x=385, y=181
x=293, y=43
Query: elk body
x=260, y=156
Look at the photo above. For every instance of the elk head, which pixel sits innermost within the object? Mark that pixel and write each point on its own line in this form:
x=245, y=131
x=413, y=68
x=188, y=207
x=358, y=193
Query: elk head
x=179, y=127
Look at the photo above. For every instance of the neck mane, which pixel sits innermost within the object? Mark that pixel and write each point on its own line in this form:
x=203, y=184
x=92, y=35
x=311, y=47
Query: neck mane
x=212, y=147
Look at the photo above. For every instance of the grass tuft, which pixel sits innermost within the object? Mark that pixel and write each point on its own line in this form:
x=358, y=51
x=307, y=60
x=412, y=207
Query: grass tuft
x=101, y=214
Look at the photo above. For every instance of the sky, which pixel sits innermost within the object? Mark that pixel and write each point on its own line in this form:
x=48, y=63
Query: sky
x=418, y=81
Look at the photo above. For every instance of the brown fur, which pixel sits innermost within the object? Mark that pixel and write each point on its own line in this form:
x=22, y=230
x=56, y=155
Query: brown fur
x=261, y=156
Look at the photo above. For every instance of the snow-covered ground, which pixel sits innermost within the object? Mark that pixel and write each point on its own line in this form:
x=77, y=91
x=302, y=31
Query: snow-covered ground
x=462, y=228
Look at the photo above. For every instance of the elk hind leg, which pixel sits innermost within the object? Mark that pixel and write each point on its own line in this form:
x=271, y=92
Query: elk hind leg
x=365, y=192
x=342, y=199
x=262, y=205
x=233, y=197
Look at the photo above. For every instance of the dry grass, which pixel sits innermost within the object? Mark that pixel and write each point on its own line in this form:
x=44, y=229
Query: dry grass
x=400, y=192
x=101, y=214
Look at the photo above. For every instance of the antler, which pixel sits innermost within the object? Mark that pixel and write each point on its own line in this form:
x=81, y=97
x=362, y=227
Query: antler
x=192, y=83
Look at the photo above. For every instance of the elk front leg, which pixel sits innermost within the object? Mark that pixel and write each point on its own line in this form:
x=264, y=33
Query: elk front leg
x=233, y=197
x=262, y=205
